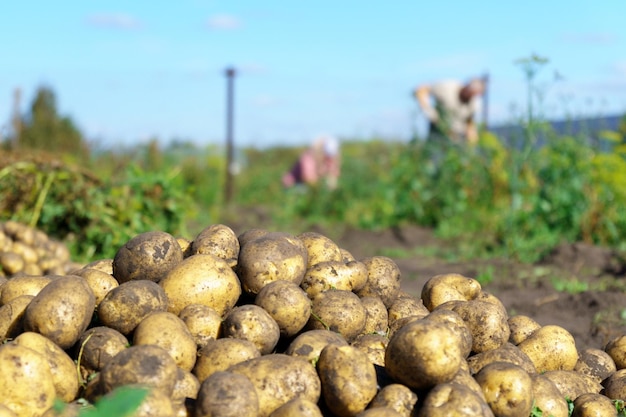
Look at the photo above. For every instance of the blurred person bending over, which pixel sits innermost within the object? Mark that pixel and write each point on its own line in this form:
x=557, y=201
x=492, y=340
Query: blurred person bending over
x=450, y=107
x=321, y=161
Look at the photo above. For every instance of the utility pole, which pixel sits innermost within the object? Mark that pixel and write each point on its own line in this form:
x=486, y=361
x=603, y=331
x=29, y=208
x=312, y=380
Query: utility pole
x=16, y=118
x=228, y=190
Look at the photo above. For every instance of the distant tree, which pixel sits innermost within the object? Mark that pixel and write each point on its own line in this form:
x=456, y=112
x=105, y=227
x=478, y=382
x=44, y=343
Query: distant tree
x=43, y=128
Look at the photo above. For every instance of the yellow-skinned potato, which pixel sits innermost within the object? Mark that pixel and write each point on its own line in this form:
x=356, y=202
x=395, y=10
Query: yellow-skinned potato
x=615, y=385
x=595, y=363
x=593, y=405
x=185, y=245
x=508, y=352
x=398, y=397
x=251, y=234
x=487, y=323
x=377, y=316
x=551, y=348
x=451, y=399
x=508, y=389
x=154, y=404
x=187, y=386
x=202, y=279
x=7, y=412
x=220, y=354
x=269, y=258
x=379, y=412
x=203, y=322
x=23, y=285
x=253, y=323
x=11, y=263
x=62, y=310
x=406, y=306
x=348, y=379
x=521, y=327
x=616, y=348
x=423, y=353
x=320, y=248
x=334, y=275
x=288, y=305
x=310, y=343
x=168, y=331
x=300, y=407
x=571, y=384
x=61, y=365
x=373, y=345
x=26, y=381
x=104, y=265
x=463, y=377
x=100, y=282
x=383, y=279
x=149, y=256
x=278, y=379
x=456, y=323
x=340, y=311
x=449, y=287
x=241, y=401
x=218, y=240
x=127, y=304
x=97, y=346
x=548, y=398
x=12, y=317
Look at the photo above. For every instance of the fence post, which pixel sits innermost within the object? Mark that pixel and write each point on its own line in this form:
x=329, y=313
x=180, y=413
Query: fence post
x=228, y=190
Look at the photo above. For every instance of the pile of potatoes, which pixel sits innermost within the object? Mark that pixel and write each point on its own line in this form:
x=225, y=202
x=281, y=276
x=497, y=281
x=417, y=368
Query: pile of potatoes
x=273, y=324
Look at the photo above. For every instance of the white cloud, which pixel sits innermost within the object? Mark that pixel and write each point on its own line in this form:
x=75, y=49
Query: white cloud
x=114, y=21
x=223, y=22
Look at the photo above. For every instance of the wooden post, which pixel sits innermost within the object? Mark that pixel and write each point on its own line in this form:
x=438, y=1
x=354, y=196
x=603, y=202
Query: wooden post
x=228, y=190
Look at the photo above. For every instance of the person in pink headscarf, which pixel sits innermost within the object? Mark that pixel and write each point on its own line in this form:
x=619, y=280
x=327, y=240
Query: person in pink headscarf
x=321, y=161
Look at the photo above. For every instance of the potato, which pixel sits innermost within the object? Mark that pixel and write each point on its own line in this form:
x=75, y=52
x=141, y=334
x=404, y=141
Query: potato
x=571, y=384
x=253, y=323
x=339, y=311
x=218, y=240
x=376, y=316
x=508, y=352
x=615, y=385
x=592, y=405
x=297, y=407
x=185, y=245
x=319, y=248
x=104, y=265
x=203, y=322
x=551, y=348
x=7, y=412
x=451, y=399
x=406, y=306
x=508, y=389
x=61, y=311
x=595, y=363
x=548, y=398
x=423, y=353
x=26, y=381
x=348, y=379
x=23, y=285
x=278, y=379
x=309, y=344
x=12, y=317
x=252, y=234
x=616, y=348
x=187, y=386
x=100, y=282
x=227, y=394
x=218, y=355
x=11, y=263
x=287, y=304
x=201, y=279
x=464, y=378
x=398, y=397
x=449, y=287
x=97, y=346
x=64, y=376
x=521, y=327
x=155, y=403
x=127, y=304
x=165, y=329
x=334, y=275
x=383, y=279
x=379, y=412
x=458, y=325
x=269, y=258
x=148, y=365
x=147, y=256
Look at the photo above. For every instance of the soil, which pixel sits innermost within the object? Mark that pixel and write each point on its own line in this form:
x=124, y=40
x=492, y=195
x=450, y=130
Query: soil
x=579, y=287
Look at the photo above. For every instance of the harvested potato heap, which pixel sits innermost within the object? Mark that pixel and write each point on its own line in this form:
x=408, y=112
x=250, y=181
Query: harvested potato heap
x=272, y=324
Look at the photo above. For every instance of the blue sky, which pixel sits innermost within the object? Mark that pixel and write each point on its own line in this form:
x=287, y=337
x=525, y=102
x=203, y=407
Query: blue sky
x=127, y=71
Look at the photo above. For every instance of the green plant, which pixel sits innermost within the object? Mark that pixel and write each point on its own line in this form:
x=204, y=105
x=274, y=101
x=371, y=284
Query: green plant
x=121, y=402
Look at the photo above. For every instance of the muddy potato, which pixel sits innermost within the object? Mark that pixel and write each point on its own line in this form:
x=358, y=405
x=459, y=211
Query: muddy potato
x=373, y=345
x=269, y=258
x=379, y=412
x=168, y=331
x=406, y=306
x=383, y=279
x=97, y=346
x=451, y=399
x=309, y=344
x=218, y=240
x=615, y=385
x=595, y=363
x=220, y=354
x=340, y=311
x=203, y=322
x=593, y=405
x=571, y=384
x=346, y=255
x=508, y=389
x=26, y=381
x=465, y=378
x=287, y=304
x=147, y=256
x=12, y=317
x=100, y=282
x=548, y=398
x=11, y=263
x=616, y=348
x=148, y=365
x=227, y=394
x=508, y=352
x=202, y=279
x=278, y=379
x=334, y=274
x=185, y=245
x=319, y=248
x=253, y=323
x=398, y=397
x=348, y=379
x=23, y=285
x=127, y=304
x=449, y=287
x=423, y=353
x=104, y=265
x=458, y=325
x=551, y=348
x=377, y=316
x=63, y=370
x=154, y=404
x=521, y=327
x=61, y=311
x=297, y=407
x=251, y=234
x=187, y=386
